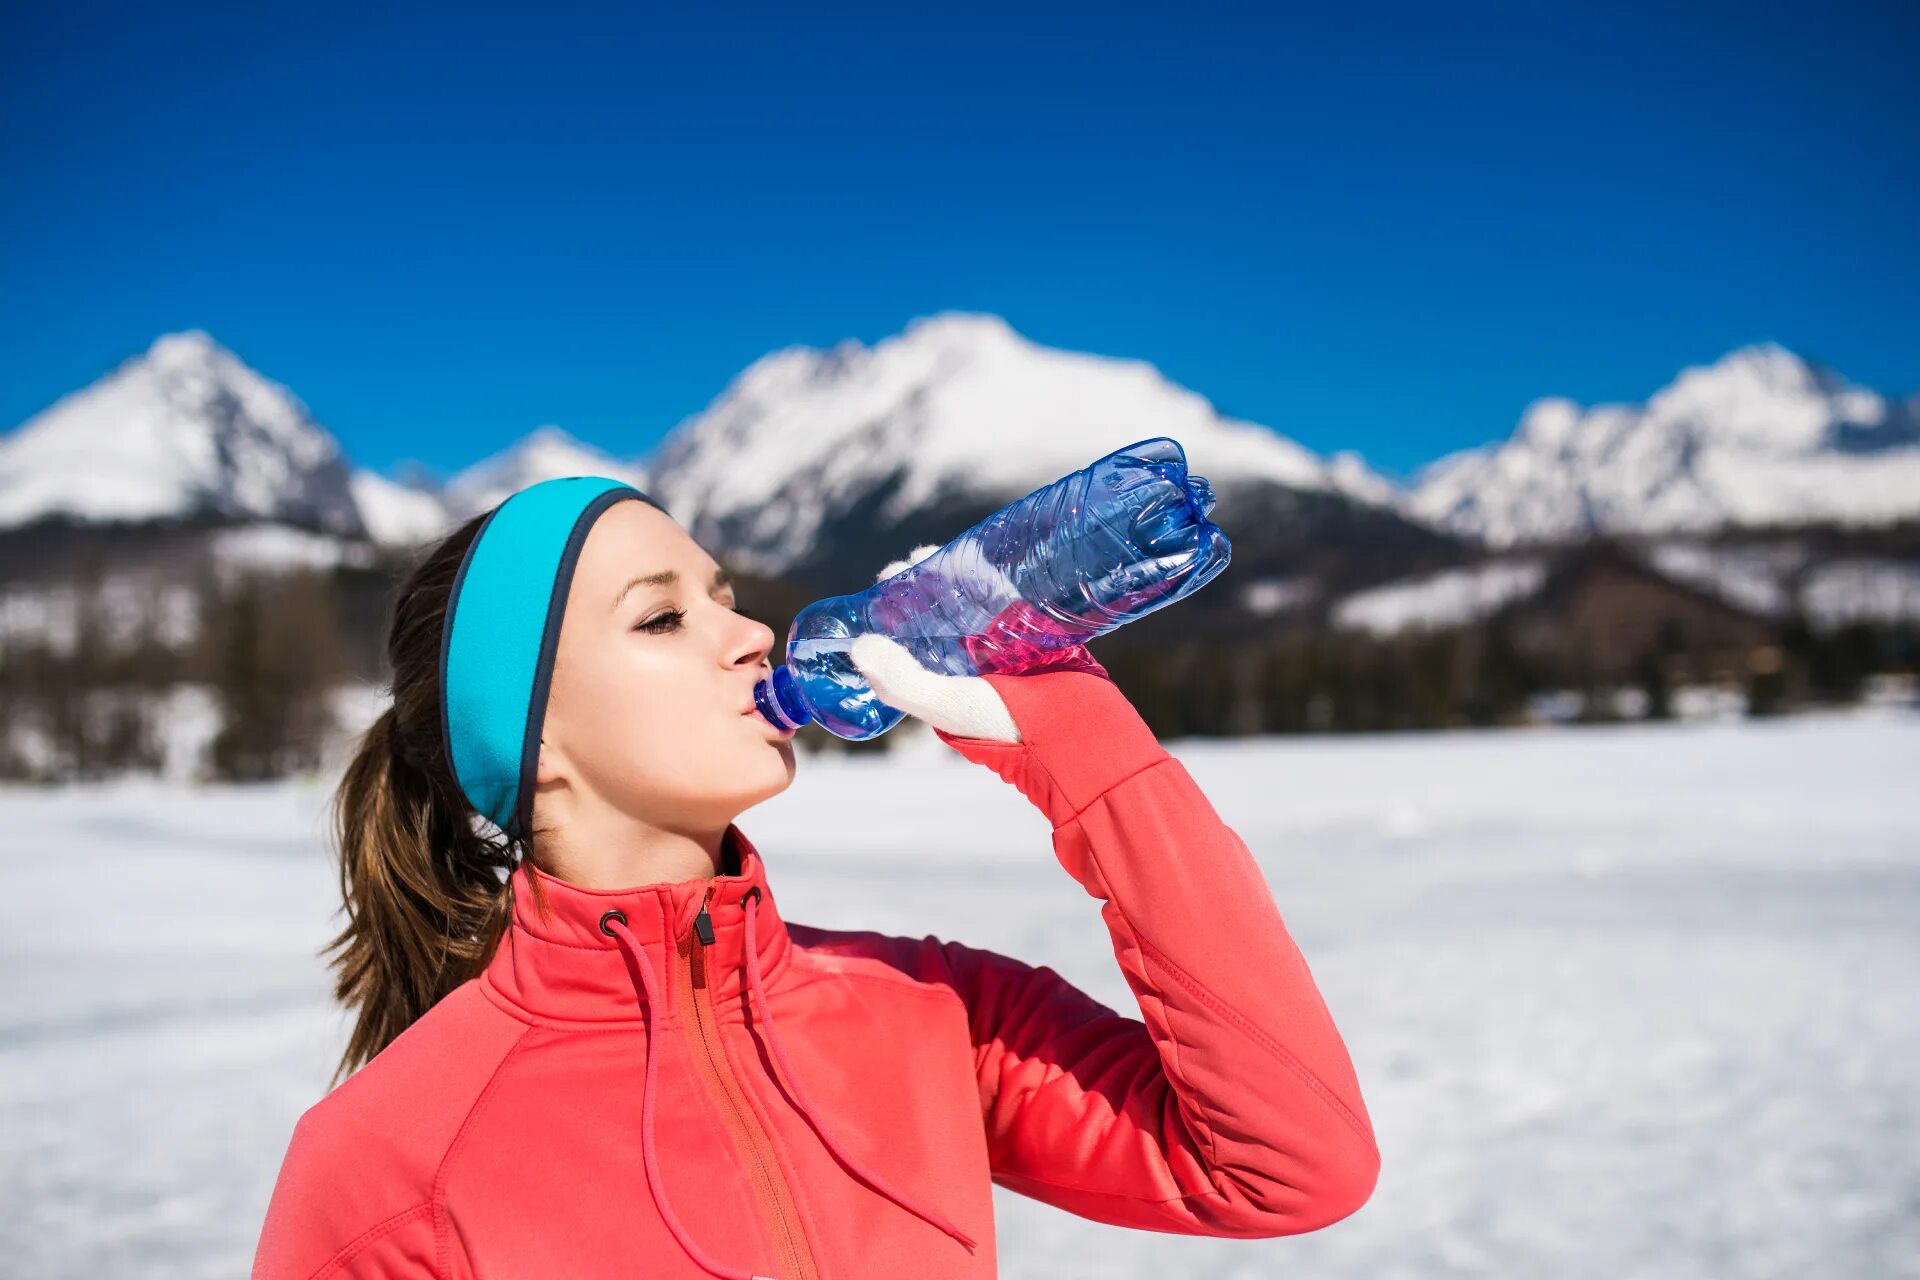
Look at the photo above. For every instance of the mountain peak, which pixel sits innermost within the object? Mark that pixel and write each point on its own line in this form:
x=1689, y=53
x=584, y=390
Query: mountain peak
x=551, y=436
x=1762, y=397
x=189, y=347
x=1760, y=369
x=942, y=341
x=958, y=406
x=1759, y=436
x=1549, y=422
x=545, y=453
x=961, y=328
x=1765, y=355
x=183, y=429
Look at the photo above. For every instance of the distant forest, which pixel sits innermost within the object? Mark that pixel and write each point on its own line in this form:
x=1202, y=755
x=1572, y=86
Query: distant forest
x=97, y=694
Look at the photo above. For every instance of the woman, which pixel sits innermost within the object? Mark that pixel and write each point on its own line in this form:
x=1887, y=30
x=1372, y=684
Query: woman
x=588, y=1044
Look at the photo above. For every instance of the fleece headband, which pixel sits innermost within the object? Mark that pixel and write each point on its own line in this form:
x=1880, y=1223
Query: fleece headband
x=503, y=625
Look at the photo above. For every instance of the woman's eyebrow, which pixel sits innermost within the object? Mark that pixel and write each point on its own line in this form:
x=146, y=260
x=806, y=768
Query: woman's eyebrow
x=666, y=578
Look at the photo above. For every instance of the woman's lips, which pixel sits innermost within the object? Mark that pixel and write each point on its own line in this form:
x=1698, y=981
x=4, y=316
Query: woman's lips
x=768, y=724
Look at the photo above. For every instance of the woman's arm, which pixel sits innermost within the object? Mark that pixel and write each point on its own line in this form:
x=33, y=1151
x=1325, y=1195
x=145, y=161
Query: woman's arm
x=1232, y=1109
x=325, y=1218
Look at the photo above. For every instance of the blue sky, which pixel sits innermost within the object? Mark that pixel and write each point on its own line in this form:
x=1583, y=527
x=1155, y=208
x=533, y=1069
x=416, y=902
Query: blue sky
x=1386, y=228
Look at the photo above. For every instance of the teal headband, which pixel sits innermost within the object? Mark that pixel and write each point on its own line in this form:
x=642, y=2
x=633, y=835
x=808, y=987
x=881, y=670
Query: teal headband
x=503, y=625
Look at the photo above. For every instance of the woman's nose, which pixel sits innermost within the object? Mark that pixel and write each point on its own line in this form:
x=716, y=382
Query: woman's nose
x=759, y=643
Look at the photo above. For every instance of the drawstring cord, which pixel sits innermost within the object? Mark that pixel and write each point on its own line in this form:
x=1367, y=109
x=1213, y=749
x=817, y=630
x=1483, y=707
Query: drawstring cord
x=638, y=954
x=616, y=923
x=793, y=1086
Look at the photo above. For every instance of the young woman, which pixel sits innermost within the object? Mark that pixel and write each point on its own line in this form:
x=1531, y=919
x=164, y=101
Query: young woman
x=588, y=1043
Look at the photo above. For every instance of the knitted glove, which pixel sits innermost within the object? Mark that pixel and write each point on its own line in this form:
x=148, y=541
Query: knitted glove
x=964, y=706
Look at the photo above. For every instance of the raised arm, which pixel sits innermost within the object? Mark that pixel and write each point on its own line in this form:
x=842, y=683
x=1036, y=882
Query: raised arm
x=1230, y=1106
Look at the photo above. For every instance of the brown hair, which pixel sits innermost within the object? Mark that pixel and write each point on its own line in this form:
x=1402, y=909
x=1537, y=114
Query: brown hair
x=427, y=892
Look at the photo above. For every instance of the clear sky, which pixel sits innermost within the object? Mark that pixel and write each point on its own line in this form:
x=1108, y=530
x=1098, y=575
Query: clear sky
x=1385, y=228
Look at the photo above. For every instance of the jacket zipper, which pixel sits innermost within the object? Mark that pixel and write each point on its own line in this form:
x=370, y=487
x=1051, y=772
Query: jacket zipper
x=776, y=1199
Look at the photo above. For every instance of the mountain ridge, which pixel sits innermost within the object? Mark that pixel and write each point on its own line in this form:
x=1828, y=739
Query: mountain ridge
x=1759, y=437
x=959, y=409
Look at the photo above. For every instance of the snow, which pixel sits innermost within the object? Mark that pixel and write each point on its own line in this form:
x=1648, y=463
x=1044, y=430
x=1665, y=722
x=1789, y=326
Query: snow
x=1625, y=1001
x=1755, y=578
x=547, y=453
x=132, y=604
x=961, y=403
x=1449, y=598
x=183, y=429
x=398, y=515
x=1350, y=474
x=1864, y=590
x=1266, y=597
x=1758, y=437
x=130, y=607
x=279, y=548
x=408, y=515
x=1774, y=578
x=957, y=402
x=188, y=429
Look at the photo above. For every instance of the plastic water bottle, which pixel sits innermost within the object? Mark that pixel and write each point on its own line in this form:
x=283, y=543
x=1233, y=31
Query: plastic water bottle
x=1083, y=556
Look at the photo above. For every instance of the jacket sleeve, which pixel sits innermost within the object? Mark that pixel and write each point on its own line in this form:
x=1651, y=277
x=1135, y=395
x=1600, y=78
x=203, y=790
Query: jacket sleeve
x=1230, y=1107
x=320, y=1226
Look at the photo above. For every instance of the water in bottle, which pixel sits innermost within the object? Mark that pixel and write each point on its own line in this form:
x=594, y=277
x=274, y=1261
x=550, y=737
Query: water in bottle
x=1083, y=556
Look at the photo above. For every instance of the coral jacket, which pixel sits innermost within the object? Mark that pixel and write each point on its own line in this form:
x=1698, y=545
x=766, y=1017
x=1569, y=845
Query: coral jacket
x=820, y=1104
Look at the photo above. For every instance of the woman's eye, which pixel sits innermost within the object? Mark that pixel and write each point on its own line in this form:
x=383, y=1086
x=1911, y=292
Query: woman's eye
x=671, y=620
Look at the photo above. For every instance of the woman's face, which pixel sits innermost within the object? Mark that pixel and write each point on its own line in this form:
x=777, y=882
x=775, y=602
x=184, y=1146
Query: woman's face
x=650, y=682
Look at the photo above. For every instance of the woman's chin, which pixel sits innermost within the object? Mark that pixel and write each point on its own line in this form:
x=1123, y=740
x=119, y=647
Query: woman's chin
x=776, y=764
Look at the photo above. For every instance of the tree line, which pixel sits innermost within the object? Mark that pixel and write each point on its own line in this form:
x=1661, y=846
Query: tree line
x=102, y=675
x=240, y=671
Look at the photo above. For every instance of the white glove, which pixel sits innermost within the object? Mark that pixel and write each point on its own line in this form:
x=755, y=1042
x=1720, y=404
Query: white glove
x=964, y=706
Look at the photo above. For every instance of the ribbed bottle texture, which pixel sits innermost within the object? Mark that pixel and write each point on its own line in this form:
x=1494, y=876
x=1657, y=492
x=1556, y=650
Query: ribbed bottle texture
x=1083, y=556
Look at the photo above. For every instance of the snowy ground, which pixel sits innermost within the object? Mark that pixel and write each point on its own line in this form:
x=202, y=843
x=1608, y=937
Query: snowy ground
x=1624, y=1002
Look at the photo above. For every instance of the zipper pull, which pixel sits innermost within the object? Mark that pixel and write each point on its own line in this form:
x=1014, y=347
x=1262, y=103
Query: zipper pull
x=703, y=923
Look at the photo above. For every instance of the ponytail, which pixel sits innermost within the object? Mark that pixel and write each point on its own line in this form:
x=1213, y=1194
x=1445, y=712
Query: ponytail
x=427, y=893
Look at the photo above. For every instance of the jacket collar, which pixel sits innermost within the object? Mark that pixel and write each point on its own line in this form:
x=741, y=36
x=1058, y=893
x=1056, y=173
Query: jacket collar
x=562, y=967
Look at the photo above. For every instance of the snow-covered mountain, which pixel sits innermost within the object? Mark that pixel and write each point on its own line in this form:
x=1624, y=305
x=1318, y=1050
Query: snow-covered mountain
x=183, y=429
x=403, y=515
x=399, y=515
x=810, y=451
x=959, y=405
x=186, y=429
x=547, y=453
x=1759, y=437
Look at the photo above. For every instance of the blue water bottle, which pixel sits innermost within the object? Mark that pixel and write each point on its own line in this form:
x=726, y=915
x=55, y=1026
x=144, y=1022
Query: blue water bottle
x=1083, y=556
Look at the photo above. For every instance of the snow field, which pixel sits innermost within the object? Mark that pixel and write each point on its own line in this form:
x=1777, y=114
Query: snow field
x=1623, y=1001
